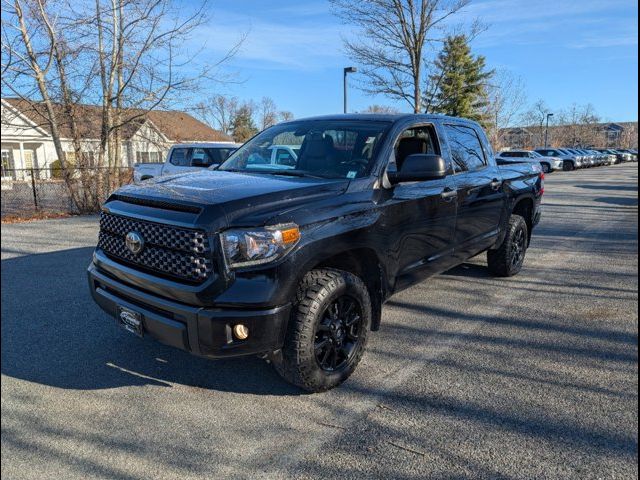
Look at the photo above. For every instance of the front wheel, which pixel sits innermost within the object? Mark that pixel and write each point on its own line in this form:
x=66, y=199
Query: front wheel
x=507, y=260
x=327, y=332
x=546, y=168
x=568, y=166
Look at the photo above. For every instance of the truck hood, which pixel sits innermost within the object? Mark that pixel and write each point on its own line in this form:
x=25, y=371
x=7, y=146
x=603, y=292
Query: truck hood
x=241, y=197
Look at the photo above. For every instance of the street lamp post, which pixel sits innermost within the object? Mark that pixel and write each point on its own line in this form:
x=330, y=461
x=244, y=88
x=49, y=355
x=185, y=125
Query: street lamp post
x=347, y=70
x=546, y=131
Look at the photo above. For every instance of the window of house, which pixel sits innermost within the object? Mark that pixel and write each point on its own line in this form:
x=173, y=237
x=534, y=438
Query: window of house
x=147, y=157
x=70, y=157
x=466, y=149
x=7, y=163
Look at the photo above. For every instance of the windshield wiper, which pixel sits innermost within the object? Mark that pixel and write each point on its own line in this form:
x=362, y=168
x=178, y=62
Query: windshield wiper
x=290, y=173
x=286, y=173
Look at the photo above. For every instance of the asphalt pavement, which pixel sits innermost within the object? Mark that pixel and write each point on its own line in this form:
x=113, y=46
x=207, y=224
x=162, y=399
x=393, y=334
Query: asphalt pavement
x=469, y=377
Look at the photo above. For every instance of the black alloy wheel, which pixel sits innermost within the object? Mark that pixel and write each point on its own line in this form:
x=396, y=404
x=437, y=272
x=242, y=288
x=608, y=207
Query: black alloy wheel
x=337, y=337
x=518, y=248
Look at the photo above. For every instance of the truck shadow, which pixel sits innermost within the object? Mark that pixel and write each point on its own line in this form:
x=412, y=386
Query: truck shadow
x=53, y=334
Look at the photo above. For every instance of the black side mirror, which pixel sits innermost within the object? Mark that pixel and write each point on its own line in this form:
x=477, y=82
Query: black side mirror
x=419, y=167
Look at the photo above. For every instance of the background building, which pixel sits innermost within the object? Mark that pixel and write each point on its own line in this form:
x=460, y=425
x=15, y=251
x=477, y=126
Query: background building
x=27, y=142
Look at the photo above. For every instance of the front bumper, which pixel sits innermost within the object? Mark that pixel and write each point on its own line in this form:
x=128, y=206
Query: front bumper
x=201, y=331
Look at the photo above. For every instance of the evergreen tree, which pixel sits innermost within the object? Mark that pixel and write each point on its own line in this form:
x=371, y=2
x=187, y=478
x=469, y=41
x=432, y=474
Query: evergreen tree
x=458, y=84
x=243, y=127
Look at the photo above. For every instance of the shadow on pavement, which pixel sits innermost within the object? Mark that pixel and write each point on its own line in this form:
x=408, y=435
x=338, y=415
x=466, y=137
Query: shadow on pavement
x=53, y=334
x=618, y=200
x=622, y=188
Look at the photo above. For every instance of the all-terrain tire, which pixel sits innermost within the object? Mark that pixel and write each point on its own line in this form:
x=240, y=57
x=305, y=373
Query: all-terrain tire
x=296, y=362
x=507, y=260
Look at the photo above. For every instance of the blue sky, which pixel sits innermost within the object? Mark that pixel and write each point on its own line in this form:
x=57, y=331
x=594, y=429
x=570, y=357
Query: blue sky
x=565, y=51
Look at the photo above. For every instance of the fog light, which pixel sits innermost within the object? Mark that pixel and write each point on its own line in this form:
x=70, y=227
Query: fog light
x=241, y=332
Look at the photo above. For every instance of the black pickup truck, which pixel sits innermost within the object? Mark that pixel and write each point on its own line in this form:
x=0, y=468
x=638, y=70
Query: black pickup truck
x=292, y=256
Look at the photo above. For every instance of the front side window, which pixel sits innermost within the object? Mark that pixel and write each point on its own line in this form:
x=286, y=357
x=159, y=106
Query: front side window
x=322, y=148
x=466, y=148
x=179, y=157
x=415, y=140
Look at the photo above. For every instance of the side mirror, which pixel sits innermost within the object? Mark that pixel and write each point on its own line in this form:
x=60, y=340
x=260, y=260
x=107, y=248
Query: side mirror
x=419, y=167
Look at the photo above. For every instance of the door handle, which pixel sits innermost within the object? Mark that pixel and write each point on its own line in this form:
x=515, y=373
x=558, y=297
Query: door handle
x=449, y=194
x=496, y=184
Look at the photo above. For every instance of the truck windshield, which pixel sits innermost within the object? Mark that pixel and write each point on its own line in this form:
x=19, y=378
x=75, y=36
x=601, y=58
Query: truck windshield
x=328, y=149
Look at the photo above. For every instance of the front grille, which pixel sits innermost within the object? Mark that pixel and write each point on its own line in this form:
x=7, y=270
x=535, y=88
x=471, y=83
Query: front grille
x=176, y=252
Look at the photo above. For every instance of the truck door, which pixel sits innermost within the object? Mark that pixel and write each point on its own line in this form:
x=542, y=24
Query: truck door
x=419, y=217
x=481, y=196
x=178, y=160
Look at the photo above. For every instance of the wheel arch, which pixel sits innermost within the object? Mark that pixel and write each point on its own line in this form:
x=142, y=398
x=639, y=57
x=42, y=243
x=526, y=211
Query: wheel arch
x=525, y=208
x=365, y=264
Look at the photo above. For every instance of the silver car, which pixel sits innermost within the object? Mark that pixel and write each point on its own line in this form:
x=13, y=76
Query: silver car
x=548, y=163
x=570, y=161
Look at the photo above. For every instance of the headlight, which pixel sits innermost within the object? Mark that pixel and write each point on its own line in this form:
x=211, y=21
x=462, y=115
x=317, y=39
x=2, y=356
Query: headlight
x=244, y=248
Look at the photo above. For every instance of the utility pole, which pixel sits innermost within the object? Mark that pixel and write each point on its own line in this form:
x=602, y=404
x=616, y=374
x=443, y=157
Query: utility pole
x=546, y=131
x=347, y=70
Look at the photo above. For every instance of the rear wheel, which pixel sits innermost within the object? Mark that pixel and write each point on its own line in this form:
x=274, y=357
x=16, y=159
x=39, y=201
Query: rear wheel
x=507, y=260
x=546, y=168
x=327, y=332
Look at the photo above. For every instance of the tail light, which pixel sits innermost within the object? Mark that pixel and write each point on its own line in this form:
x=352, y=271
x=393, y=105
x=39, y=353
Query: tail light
x=541, y=183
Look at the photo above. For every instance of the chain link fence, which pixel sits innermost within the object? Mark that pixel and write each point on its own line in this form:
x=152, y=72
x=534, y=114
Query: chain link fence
x=32, y=192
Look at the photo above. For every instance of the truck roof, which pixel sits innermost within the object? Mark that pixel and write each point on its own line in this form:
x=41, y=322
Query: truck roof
x=382, y=117
x=206, y=144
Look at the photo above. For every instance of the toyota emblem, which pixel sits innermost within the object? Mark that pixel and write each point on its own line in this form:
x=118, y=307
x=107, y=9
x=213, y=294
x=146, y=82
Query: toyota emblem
x=134, y=242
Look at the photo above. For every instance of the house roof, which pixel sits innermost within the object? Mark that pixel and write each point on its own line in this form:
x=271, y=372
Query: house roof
x=176, y=126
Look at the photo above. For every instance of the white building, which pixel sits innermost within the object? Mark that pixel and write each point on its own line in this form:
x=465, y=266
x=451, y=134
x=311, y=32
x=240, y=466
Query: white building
x=27, y=143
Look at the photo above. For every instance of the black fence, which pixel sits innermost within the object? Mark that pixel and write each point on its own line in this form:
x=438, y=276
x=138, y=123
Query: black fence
x=30, y=192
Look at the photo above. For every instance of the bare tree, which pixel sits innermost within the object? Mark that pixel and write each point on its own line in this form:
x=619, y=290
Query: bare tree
x=578, y=126
x=506, y=99
x=140, y=49
x=390, y=45
x=219, y=111
x=126, y=55
x=33, y=64
x=267, y=113
x=534, y=119
x=285, y=116
x=380, y=109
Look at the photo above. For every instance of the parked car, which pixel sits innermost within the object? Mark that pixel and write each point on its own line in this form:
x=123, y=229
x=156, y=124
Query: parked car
x=628, y=155
x=621, y=156
x=634, y=154
x=611, y=155
x=548, y=164
x=570, y=161
x=279, y=155
x=583, y=159
x=601, y=158
x=294, y=263
x=185, y=157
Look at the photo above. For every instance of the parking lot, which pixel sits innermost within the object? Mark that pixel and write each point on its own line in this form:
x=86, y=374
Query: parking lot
x=469, y=377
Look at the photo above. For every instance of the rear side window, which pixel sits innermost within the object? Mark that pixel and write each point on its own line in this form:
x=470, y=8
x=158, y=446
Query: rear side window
x=205, y=157
x=549, y=153
x=179, y=157
x=219, y=155
x=466, y=149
